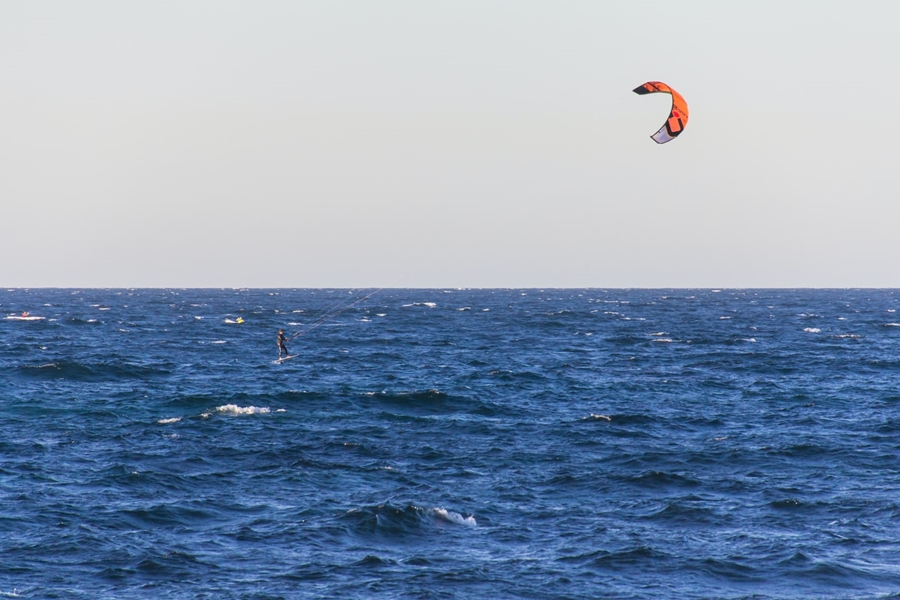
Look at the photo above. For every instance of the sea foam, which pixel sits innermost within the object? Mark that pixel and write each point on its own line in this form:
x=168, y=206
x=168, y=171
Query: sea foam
x=454, y=517
x=234, y=409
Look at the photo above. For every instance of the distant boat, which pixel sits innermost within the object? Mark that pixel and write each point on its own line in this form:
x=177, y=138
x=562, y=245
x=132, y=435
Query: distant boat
x=25, y=317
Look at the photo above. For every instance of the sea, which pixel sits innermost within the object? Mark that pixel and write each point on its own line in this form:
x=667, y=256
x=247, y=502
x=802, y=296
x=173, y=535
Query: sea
x=450, y=443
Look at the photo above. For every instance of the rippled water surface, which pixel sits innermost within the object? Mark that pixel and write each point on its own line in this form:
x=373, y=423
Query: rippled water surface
x=450, y=444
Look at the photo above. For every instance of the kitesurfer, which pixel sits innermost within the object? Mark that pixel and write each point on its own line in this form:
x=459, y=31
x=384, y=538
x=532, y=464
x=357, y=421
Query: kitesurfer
x=282, y=344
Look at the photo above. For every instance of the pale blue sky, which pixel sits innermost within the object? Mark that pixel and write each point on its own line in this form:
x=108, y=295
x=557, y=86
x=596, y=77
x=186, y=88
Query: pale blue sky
x=466, y=143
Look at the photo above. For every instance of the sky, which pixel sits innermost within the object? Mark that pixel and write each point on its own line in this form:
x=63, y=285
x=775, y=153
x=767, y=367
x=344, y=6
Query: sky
x=464, y=143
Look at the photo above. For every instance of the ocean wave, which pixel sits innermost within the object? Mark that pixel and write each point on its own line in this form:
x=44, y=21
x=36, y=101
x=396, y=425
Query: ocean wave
x=516, y=376
x=170, y=515
x=593, y=417
x=80, y=321
x=454, y=517
x=619, y=559
x=234, y=409
x=428, y=403
x=655, y=479
x=689, y=511
x=92, y=372
x=392, y=521
x=632, y=419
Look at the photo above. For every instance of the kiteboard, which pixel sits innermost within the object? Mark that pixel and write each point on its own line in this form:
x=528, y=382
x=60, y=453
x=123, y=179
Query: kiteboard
x=15, y=318
x=281, y=360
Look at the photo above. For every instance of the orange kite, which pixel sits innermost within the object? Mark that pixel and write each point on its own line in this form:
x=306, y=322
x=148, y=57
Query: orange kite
x=678, y=116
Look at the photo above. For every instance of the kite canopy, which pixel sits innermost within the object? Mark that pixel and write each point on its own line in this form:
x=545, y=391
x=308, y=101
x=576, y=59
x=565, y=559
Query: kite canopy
x=678, y=116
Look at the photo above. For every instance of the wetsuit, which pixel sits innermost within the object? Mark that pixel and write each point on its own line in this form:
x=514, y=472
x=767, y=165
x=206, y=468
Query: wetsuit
x=282, y=348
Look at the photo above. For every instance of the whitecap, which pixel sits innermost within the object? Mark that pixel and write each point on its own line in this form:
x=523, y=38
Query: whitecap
x=753, y=340
x=892, y=324
x=464, y=308
x=167, y=421
x=218, y=342
x=664, y=340
x=812, y=330
x=454, y=517
x=234, y=409
x=601, y=417
x=658, y=333
x=380, y=314
x=724, y=318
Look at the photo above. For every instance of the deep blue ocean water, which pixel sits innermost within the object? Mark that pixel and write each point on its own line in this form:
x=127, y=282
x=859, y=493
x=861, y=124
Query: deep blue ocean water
x=450, y=444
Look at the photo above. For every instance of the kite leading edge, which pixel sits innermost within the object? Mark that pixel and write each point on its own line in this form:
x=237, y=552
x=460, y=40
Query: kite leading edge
x=678, y=115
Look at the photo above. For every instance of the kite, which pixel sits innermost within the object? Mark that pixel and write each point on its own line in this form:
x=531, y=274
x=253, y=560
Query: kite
x=678, y=116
